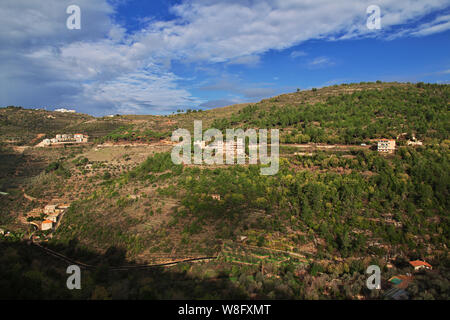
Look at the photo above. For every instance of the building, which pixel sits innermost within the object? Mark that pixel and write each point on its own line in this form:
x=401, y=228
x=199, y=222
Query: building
x=65, y=110
x=386, y=145
x=50, y=208
x=234, y=149
x=216, y=196
x=414, y=142
x=418, y=265
x=66, y=138
x=64, y=206
x=46, y=225
x=53, y=217
x=79, y=137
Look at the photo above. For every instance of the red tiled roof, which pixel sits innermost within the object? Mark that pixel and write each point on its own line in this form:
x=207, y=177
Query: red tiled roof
x=417, y=263
x=47, y=221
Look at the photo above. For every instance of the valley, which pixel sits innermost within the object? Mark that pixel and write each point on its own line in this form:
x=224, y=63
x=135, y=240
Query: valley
x=336, y=205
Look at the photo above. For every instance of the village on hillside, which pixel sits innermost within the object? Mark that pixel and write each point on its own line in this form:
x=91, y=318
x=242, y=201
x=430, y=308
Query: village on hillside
x=46, y=219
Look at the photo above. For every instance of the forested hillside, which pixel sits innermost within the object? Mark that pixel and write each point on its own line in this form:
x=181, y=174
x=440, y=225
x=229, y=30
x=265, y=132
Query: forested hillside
x=384, y=112
x=307, y=232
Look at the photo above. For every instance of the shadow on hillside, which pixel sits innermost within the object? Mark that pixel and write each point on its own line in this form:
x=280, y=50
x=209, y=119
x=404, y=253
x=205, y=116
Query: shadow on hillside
x=28, y=272
x=15, y=167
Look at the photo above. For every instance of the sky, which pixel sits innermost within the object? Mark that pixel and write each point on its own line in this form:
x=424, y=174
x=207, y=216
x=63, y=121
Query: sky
x=156, y=57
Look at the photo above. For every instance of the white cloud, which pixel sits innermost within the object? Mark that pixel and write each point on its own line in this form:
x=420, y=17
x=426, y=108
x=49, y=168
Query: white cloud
x=253, y=60
x=101, y=63
x=296, y=54
x=140, y=91
x=321, y=62
x=439, y=24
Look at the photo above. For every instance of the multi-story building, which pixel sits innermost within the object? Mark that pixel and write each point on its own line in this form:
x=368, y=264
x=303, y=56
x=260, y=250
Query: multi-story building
x=66, y=138
x=386, y=145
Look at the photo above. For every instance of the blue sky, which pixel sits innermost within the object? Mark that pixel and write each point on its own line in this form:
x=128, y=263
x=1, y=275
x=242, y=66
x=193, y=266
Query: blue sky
x=154, y=57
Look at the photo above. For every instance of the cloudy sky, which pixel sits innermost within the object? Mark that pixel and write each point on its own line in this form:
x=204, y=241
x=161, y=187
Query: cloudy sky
x=154, y=57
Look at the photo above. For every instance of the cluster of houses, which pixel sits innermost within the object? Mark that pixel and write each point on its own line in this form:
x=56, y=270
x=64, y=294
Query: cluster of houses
x=66, y=138
x=388, y=145
x=401, y=282
x=52, y=213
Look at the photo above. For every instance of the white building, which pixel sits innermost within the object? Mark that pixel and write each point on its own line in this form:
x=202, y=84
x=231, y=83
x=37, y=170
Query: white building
x=418, y=264
x=50, y=208
x=53, y=217
x=414, y=142
x=46, y=225
x=65, y=110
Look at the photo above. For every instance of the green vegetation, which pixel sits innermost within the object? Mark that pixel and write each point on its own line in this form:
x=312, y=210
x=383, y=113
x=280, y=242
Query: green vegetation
x=394, y=110
x=308, y=232
x=127, y=133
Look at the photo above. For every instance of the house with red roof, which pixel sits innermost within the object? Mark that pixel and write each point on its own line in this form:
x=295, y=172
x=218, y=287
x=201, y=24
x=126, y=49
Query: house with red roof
x=419, y=264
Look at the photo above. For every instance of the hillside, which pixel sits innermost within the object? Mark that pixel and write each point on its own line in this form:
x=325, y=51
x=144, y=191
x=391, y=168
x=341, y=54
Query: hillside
x=20, y=126
x=351, y=114
x=333, y=208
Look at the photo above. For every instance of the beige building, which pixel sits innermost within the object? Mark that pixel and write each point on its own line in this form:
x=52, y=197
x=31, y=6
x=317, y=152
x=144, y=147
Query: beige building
x=79, y=137
x=46, y=225
x=50, y=208
x=215, y=196
x=53, y=217
x=386, y=145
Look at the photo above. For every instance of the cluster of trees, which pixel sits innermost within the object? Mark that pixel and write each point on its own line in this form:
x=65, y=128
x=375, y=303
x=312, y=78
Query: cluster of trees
x=411, y=188
x=58, y=168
